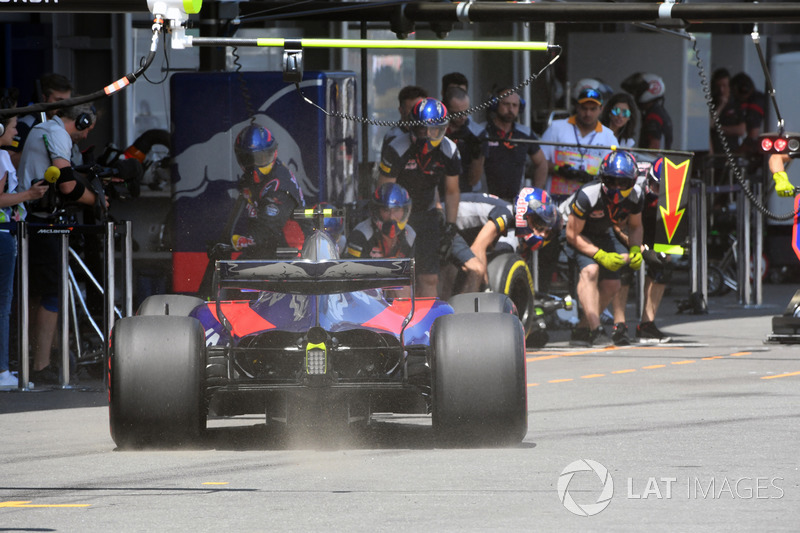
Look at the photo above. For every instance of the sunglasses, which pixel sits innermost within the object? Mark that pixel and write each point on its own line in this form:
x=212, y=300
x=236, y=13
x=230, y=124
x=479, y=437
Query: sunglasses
x=626, y=113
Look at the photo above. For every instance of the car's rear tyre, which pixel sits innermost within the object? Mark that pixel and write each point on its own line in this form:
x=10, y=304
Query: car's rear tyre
x=509, y=275
x=479, y=390
x=156, y=373
x=481, y=302
x=168, y=304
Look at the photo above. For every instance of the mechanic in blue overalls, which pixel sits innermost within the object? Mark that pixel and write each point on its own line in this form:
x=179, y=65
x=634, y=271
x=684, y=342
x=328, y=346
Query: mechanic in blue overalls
x=270, y=195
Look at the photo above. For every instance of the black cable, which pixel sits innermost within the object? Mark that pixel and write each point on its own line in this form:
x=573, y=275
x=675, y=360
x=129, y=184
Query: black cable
x=105, y=91
x=737, y=171
x=408, y=124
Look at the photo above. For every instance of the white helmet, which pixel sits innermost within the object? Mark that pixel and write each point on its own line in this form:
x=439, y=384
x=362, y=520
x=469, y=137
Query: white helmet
x=592, y=83
x=655, y=88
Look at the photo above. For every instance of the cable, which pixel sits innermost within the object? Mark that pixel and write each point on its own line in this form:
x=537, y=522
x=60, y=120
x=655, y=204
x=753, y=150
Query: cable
x=108, y=90
x=409, y=124
x=737, y=171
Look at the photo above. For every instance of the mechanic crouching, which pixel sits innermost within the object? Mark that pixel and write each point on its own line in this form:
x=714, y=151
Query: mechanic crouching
x=591, y=244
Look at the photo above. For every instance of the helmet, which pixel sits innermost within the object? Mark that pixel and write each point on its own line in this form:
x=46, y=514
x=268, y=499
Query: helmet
x=332, y=225
x=434, y=113
x=618, y=173
x=536, y=217
x=654, y=176
x=390, y=208
x=655, y=88
x=644, y=87
x=604, y=89
x=255, y=147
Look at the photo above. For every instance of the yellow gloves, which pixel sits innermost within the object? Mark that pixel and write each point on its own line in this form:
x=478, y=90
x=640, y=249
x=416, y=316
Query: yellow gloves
x=611, y=260
x=635, y=258
x=782, y=185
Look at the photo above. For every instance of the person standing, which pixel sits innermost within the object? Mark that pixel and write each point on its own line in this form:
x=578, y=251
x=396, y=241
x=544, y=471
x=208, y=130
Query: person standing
x=577, y=162
x=573, y=164
x=50, y=144
x=503, y=160
x=50, y=88
x=465, y=133
x=420, y=160
x=730, y=112
x=270, y=193
x=620, y=117
x=12, y=209
x=648, y=90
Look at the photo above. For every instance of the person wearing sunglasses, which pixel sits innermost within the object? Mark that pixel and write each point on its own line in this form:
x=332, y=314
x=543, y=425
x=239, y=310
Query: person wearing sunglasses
x=593, y=246
x=618, y=115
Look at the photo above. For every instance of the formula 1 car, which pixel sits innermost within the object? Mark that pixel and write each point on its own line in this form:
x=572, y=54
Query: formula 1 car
x=315, y=341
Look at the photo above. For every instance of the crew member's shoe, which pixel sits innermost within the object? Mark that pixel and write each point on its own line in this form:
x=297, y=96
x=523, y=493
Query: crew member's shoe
x=620, y=334
x=8, y=381
x=648, y=333
x=600, y=339
x=45, y=376
x=581, y=337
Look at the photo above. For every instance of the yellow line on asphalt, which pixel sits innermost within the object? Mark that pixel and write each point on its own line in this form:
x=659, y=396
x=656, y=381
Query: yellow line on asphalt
x=27, y=504
x=781, y=375
x=629, y=370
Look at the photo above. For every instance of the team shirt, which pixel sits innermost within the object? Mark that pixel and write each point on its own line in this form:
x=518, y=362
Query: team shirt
x=589, y=203
x=366, y=242
x=267, y=216
x=476, y=209
x=505, y=161
x=656, y=124
x=420, y=170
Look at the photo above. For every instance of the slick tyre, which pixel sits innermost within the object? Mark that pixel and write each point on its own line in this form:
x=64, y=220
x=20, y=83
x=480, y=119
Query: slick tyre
x=156, y=368
x=482, y=302
x=479, y=392
x=509, y=275
x=168, y=304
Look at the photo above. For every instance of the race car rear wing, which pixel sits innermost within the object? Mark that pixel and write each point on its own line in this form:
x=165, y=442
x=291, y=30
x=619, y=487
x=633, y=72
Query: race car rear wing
x=314, y=277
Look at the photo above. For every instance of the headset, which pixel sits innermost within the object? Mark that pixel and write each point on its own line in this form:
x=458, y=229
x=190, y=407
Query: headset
x=498, y=92
x=83, y=121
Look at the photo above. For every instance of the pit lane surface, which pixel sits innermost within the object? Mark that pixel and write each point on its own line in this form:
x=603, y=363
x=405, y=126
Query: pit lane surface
x=702, y=436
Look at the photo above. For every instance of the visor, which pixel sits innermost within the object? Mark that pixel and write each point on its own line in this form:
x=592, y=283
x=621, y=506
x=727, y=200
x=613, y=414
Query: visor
x=259, y=159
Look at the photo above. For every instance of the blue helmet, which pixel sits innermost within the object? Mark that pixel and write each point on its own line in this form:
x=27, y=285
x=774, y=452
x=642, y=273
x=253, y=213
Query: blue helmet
x=536, y=217
x=332, y=225
x=434, y=114
x=255, y=148
x=390, y=208
x=618, y=173
x=654, y=176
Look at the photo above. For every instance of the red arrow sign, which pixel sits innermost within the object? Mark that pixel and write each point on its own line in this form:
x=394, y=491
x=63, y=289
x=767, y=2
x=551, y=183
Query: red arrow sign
x=675, y=177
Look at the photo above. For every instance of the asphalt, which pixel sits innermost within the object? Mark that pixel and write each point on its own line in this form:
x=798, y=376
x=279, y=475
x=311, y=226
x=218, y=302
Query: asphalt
x=727, y=323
